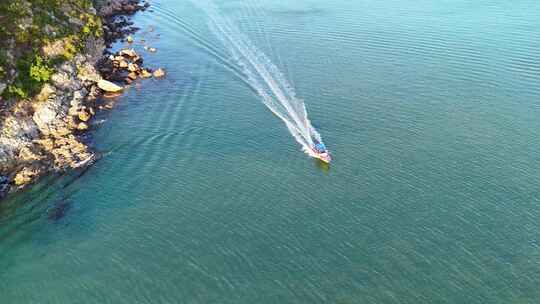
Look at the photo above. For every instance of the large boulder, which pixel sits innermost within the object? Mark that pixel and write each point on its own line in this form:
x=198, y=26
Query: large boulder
x=108, y=86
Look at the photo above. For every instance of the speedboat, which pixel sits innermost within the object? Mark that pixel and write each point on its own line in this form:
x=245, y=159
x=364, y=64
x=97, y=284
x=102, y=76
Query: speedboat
x=320, y=152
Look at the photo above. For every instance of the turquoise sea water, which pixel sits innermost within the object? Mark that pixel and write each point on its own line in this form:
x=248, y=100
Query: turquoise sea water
x=429, y=107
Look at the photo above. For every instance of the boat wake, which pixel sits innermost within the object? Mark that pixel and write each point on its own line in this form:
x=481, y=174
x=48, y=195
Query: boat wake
x=264, y=77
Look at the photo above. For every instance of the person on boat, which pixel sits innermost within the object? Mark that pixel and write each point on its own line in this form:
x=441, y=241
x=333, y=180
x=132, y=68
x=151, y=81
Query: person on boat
x=319, y=146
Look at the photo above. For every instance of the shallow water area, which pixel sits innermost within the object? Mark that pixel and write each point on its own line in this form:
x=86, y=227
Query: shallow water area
x=430, y=110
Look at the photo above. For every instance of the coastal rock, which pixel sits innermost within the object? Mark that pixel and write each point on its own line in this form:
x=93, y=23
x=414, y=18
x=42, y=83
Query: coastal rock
x=65, y=81
x=68, y=67
x=76, y=103
x=88, y=73
x=15, y=132
x=123, y=64
x=46, y=91
x=133, y=67
x=60, y=79
x=66, y=151
x=27, y=155
x=26, y=175
x=7, y=155
x=108, y=86
x=78, y=98
x=94, y=48
x=49, y=116
x=20, y=129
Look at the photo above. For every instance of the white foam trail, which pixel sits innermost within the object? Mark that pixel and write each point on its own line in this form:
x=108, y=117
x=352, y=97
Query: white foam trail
x=263, y=77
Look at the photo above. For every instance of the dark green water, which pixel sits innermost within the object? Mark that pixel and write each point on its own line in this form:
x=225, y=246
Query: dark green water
x=429, y=107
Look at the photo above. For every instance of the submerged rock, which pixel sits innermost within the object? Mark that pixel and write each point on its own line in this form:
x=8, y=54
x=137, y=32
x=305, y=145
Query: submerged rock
x=4, y=186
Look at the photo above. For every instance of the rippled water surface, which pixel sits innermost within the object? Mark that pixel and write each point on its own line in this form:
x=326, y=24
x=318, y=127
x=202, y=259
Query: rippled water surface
x=431, y=109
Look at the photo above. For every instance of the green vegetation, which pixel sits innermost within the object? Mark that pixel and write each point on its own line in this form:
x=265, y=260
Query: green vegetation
x=39, y=71
x=28, y=25
x=33, y=71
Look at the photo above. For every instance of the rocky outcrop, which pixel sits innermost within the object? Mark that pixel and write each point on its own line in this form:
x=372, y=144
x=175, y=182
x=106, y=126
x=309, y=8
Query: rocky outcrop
x=41, y=134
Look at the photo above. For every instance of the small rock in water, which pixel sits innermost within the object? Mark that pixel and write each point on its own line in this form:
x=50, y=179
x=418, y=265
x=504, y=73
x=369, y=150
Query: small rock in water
x=82, y=126
x=59, y=210
x=129, y=39
x=159, y=73
x=128, y=52
x=145, y=74
x=152, y=50
x=108, y=86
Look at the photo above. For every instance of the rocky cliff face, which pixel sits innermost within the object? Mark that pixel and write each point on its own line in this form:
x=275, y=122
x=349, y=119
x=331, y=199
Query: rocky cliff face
x=48, y=88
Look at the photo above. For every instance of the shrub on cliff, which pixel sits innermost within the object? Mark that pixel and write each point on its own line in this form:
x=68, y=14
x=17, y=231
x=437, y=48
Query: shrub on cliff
x=26, y=26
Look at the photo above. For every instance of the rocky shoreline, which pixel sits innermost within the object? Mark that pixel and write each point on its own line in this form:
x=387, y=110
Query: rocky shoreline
x=44, y=134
